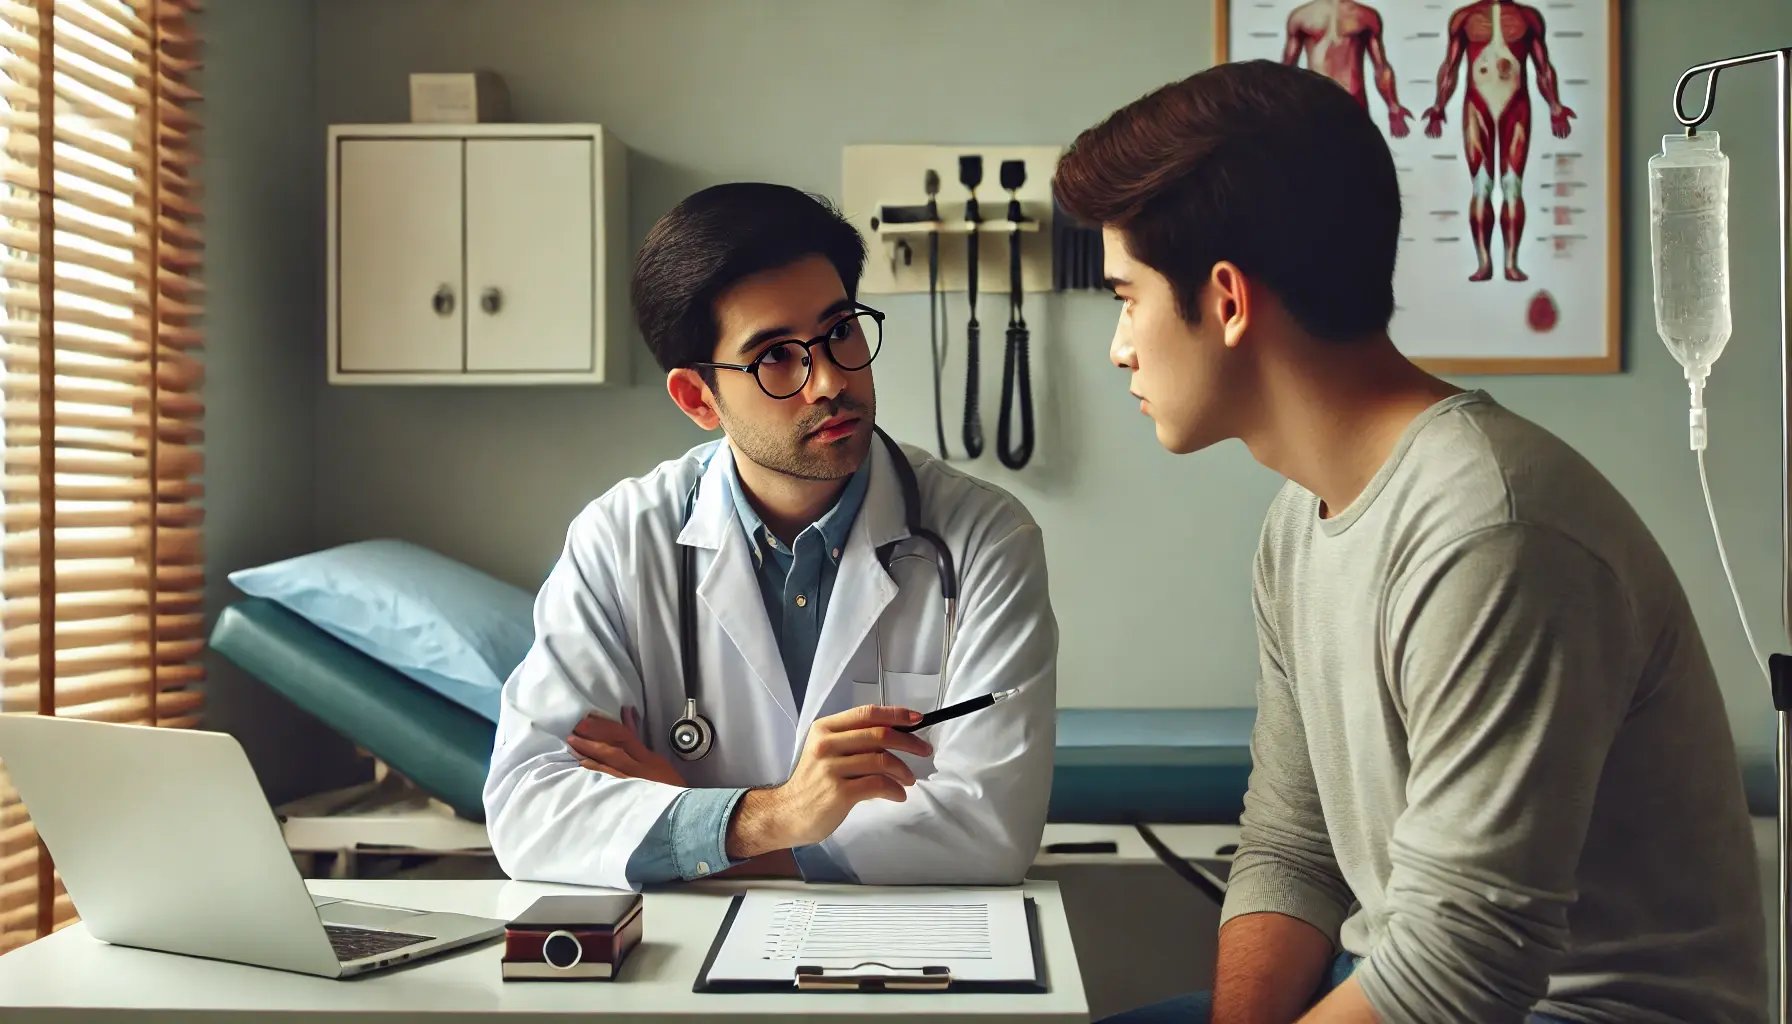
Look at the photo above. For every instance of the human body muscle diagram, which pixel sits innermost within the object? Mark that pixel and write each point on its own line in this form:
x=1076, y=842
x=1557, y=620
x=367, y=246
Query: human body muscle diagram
x=1511, y=266
x=1336, y=36
x=1498, y=40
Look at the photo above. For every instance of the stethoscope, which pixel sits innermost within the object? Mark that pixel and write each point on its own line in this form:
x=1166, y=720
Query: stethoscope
x=692, y=736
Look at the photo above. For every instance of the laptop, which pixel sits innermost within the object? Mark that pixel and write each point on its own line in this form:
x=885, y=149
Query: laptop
x=165, y=841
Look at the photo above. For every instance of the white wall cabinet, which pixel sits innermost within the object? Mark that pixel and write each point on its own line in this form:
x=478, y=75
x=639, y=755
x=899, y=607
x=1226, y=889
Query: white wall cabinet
x=477, y=254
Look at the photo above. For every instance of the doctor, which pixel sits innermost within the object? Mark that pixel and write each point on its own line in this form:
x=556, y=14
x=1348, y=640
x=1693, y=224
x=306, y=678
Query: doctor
x=814, y=607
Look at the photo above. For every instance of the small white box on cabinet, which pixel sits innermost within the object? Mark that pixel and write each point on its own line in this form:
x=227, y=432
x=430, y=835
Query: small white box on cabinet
x=477, y=254
x=471, y=97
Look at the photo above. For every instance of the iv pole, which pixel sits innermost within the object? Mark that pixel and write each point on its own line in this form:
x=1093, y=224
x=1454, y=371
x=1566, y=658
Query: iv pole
x=1780, y=670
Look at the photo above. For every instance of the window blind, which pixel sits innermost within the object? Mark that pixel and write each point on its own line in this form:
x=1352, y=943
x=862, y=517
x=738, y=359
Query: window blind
x=101, y=578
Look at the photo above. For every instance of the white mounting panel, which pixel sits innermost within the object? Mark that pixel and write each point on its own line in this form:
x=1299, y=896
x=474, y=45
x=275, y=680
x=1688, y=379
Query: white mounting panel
x=876, y=175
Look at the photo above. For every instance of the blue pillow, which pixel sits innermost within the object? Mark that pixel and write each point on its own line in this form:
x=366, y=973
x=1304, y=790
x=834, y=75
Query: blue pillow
x=444, y=624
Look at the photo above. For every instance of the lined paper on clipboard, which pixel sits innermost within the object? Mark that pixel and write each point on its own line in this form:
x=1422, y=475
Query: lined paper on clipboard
x=977, y=935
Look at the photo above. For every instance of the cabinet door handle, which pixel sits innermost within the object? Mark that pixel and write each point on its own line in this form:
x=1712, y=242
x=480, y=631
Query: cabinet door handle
x=443, y=301
x=491, y=300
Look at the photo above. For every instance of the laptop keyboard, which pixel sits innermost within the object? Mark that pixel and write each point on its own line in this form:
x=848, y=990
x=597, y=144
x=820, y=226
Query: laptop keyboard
x=355, y=943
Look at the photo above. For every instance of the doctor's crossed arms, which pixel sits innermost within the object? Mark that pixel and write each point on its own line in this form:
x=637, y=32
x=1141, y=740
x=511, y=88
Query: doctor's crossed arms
x=846, y=760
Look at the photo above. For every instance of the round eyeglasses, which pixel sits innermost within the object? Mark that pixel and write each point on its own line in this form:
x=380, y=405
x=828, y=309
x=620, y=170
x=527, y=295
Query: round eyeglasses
x=783, y=369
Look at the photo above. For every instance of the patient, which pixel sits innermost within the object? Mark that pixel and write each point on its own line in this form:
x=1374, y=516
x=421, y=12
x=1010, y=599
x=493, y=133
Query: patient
x=1493, y=778
x=806, y=651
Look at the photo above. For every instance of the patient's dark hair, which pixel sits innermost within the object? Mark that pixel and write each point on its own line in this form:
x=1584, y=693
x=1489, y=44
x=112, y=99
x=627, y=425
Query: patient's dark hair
x=1274, y=168
x=714, y=239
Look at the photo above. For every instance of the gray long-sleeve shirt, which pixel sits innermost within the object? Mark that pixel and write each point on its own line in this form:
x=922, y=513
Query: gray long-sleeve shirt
x=1491, y=755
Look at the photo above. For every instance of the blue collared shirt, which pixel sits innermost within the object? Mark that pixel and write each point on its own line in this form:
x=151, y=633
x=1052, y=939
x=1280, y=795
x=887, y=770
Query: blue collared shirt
x=796, y=581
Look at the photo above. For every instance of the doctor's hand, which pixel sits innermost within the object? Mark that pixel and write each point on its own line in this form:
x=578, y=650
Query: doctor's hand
x=846, y=759
x=605, y=745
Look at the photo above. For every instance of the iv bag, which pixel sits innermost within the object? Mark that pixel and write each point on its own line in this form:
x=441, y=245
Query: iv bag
x=1689, y=195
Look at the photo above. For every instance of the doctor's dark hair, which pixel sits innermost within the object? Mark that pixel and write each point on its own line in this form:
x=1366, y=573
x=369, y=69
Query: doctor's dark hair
x=715, y=238
x=1274, y=168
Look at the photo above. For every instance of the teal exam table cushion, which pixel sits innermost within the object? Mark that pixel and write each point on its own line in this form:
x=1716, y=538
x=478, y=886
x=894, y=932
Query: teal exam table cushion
x=1112, y=766
x=435, y=742
x=1153, y=765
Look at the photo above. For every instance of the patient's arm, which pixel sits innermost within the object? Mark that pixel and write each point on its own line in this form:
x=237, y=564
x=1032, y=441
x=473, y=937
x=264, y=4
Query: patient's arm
x=1514, y=652
x=1286, y=897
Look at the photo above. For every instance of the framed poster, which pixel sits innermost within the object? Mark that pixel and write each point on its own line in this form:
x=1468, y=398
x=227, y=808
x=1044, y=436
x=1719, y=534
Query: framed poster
x=1503, y=121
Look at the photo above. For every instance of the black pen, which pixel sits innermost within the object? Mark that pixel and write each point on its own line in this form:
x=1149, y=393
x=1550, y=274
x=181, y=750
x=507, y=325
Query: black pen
x=961, y=708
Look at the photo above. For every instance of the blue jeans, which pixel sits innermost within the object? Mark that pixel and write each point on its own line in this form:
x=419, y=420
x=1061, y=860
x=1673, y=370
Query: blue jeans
x=1195, y=1007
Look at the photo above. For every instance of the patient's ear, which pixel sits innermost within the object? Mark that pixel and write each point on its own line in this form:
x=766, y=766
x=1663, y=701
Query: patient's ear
x=1229, y=301
x=693, y=397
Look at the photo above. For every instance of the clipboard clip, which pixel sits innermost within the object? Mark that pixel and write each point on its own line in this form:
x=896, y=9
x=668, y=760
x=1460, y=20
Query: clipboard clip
x=888, y=979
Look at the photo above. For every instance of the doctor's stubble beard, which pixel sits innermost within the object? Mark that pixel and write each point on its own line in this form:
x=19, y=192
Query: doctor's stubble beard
x=792, y=454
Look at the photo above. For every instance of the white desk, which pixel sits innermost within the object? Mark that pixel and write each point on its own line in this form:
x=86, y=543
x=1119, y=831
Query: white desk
x=70, y=976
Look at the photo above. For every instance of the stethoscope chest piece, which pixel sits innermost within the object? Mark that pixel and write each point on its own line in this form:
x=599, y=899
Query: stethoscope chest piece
x=692, y=735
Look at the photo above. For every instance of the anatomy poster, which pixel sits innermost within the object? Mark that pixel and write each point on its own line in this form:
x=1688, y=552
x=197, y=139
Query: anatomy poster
x=1500, y=119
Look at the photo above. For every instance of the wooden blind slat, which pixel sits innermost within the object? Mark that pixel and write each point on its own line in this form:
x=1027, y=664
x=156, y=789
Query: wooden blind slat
x=135, y=709
x=13, y=921
x=27, y=241
x=173, y=462
x=117, y=427
x=23, y=15
x=25, y=517
x=130, y=335
x=125, y=340
x=124, y=15
x=111, y=686
x=17, y=866
x=13, y=837
x=102, y=633
x=103, y=605
x=73, y=43
x=171, y=545
x=25, y=272
x=21, y=548
x=68, y=164
x=23, y=216
x=25, y=403
x=171, y=677
x=106, y=29
x=61, y=915
x=120, y=397
x=89, y=443
x=180, y=232
x=176, y=372
x=23, y=582
x=74, y=664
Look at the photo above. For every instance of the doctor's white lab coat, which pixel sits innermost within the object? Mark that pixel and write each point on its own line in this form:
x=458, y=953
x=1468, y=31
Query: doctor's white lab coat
x=606, y=626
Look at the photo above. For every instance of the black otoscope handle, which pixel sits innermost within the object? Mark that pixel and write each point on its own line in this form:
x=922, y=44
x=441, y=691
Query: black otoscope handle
x=973, y=420
x=1015, y=362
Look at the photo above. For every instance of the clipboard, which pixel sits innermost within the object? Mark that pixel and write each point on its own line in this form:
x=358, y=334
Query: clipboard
x=873, y=977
